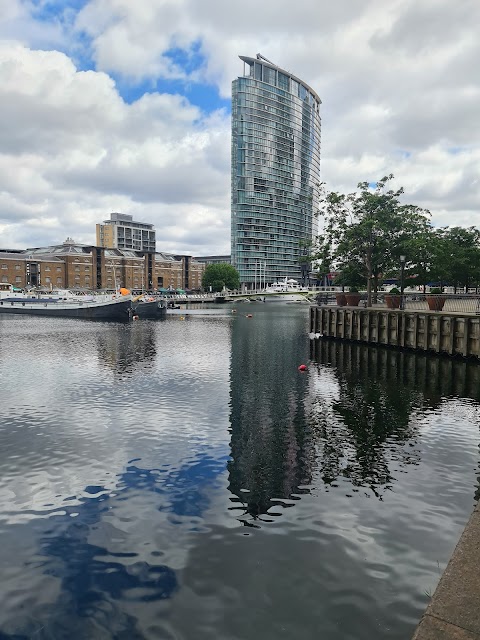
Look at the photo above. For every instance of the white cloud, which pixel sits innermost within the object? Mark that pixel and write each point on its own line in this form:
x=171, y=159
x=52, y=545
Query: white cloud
x=398, y=82
x=74, y=150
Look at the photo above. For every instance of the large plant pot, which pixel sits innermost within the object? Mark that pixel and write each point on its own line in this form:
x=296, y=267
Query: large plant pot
x=353, y=299
x=393, y=301
x=436, y=302
x=341, y=299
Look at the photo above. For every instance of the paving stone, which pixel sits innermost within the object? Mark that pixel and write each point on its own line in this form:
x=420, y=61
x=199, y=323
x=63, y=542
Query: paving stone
x=456, y=601
x=431, y=628
x=457, y=597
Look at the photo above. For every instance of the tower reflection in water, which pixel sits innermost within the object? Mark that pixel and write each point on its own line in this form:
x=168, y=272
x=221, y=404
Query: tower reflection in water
x=271, y=448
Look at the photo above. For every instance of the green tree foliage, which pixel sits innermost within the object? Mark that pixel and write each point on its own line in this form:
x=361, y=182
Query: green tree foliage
x=446, y=255
x=219, y=276
x=458, y=256
x=366, y=231
x=423, y=251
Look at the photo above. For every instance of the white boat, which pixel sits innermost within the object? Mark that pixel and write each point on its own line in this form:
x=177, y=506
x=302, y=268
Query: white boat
x=65, y=303
x=288, y=290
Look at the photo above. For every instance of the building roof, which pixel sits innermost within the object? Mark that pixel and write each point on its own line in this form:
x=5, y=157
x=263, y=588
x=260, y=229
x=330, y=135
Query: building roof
x=267, y=63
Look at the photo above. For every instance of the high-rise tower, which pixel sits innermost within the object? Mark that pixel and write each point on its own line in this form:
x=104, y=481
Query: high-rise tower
x=122, y=232
x=275, y=171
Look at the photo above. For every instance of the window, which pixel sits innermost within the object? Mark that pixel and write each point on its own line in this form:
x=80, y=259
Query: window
x=269, y=75
x=17, y=267
x=4, y=278
x=47, y=268
x=59, y=281
x=4, y=266
x=59, y=269
x=18, y=278
x=48, y=280
x=283, y=81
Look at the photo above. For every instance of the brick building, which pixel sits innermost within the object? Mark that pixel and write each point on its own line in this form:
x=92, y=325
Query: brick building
x=70, y=265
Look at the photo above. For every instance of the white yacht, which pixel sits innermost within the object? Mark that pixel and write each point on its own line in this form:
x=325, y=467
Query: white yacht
x=288, y=290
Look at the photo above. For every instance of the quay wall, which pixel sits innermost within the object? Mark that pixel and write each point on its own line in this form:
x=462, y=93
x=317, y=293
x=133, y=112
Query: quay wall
x=454, y=334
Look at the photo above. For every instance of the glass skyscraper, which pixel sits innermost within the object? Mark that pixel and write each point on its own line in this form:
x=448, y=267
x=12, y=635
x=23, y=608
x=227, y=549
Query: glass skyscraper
x=275, y=172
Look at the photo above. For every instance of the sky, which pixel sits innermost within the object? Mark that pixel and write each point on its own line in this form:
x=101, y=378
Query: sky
x=124, y=106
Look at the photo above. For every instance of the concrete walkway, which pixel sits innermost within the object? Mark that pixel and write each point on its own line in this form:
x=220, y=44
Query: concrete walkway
x=454, y=611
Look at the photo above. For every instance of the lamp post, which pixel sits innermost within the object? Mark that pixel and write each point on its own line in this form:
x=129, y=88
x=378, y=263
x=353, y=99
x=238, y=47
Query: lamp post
x=402, y=271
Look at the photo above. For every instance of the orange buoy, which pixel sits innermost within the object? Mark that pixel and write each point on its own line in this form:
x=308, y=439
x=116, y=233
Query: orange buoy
x=302, y=367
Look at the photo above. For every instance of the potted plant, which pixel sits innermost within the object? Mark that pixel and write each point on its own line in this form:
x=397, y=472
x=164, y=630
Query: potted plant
x=393, y=299
x=435, y=300
x=353, y=297
x=341, y=299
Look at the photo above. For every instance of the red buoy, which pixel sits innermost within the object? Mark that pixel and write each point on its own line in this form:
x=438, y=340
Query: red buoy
x=302, y=367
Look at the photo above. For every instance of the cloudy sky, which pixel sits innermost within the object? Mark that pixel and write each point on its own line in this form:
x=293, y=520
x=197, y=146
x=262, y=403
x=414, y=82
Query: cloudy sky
x=124, y=105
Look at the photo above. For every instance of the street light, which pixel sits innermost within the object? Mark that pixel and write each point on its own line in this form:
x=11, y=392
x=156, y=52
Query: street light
x=402, y=271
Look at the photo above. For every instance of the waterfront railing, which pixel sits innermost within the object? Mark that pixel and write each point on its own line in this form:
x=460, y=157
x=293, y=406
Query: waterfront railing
x=447, y=303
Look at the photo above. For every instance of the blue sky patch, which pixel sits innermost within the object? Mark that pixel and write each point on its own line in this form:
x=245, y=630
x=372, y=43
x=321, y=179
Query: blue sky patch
x=54, y=10
x=454, y=151
x=188, y=59
x=206, y=97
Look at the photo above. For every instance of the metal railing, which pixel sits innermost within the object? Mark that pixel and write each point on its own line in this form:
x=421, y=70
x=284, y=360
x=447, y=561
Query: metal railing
x=445, y=302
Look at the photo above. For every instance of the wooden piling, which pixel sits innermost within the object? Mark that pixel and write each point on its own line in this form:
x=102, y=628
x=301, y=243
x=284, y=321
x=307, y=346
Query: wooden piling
x=454, y=334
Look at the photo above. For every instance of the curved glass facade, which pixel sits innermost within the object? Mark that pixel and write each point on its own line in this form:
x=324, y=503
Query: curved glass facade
x=275, y=172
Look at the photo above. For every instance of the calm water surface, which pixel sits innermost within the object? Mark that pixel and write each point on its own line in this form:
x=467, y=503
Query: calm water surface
x=181, y=479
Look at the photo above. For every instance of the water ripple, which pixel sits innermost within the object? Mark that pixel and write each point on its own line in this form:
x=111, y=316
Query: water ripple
x=160, y=480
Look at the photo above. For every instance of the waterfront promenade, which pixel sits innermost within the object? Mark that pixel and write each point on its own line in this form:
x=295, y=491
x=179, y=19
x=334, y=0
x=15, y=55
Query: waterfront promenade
x=454, y=611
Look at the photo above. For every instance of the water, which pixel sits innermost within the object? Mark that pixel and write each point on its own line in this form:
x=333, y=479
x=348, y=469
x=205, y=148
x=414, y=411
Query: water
x=181, y=479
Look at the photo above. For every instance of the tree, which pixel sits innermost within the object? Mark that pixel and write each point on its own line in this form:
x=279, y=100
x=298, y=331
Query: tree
x=458, y=262
x=219, y=276
x=365, y=232
x=423, y=250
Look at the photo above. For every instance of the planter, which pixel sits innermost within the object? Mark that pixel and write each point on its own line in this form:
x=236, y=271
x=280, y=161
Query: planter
x=353, y=299
x=436, y=302
x=341, y=299
x=393, y=302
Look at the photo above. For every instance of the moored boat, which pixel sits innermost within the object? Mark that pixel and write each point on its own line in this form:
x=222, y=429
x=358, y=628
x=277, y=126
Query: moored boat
x=90, y=308
x=148, y=307
x=285, y=291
